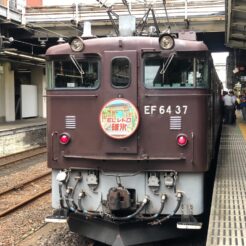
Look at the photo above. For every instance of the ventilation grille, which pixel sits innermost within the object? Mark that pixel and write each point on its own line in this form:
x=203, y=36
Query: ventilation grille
x=175, y=123
x=70, y=122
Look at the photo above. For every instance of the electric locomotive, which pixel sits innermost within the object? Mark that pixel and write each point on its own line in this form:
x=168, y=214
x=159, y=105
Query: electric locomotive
x=132, y=127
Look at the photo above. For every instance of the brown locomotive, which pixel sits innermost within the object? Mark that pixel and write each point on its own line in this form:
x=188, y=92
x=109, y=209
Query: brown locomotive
x=132, y=127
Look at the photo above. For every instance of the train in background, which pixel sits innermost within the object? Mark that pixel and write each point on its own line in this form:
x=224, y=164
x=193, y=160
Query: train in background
x=132, y=127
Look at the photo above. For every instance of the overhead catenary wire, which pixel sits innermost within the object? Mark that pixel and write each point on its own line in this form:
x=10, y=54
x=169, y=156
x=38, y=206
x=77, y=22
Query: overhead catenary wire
x=165, y=8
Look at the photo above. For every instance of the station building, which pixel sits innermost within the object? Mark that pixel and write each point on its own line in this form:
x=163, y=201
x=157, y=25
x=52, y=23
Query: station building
x=22, y=72
x=22, y=91
x=22, y=84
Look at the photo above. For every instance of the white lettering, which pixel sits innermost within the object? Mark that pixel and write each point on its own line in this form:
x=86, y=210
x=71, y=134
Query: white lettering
x=162, y=109
x=153, y=108
x=146, y=109
x=177, y=109
x=169, y=110
x=185, y=107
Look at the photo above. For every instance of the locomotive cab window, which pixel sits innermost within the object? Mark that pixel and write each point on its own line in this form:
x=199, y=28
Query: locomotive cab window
x=74, y=73
x=177, y=70
x=120, y=72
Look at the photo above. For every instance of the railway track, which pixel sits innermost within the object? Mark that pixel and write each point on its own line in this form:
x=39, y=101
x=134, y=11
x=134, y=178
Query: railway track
x=19, y=195
x=11, y=159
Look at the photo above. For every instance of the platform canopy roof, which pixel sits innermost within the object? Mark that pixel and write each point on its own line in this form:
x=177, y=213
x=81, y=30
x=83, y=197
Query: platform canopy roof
x=236, y=24
x=207, y=13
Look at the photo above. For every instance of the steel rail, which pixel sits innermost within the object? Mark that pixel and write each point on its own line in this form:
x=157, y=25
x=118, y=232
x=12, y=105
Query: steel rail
x=15, y=187
x=13, y=208
x=10, y=159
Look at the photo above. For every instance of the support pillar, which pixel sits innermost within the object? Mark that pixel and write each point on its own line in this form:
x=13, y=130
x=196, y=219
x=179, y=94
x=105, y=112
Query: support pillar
x=38, y=78
x=8, y=77
x=2, y=94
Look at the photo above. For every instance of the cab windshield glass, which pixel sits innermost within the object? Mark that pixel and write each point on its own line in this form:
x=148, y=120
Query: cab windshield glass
x=75, y=73
x=178, y=70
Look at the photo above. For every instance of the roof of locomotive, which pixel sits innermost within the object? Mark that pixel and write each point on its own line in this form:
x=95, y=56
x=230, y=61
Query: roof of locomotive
x=99, y=45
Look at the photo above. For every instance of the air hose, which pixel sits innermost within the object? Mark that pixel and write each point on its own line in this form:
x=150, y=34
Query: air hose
x=160, y=221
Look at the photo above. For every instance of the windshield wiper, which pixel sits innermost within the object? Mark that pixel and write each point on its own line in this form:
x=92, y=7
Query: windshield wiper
x=77, y=65
x=167, y=63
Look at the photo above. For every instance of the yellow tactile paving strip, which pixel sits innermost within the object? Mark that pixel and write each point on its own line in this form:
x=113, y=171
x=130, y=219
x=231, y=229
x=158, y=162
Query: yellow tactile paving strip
x=242, y=127
x=241, y=123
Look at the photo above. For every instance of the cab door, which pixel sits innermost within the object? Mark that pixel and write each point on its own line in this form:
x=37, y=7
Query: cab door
x=119, y=117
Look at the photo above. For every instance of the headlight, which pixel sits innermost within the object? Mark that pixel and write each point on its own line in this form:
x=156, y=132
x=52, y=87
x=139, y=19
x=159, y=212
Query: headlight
x=166, y=41
x=77, y=44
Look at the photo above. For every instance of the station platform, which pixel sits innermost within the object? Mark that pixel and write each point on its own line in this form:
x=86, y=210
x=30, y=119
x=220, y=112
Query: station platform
x=22, y=135
x=227, y=222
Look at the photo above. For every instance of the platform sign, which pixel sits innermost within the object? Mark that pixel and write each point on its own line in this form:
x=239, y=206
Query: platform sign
x=119, y=118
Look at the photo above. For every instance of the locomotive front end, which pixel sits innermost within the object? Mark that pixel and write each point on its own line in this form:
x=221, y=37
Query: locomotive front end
x=129, y=136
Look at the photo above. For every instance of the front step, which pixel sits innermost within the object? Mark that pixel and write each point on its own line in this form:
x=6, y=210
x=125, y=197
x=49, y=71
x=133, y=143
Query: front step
x=59, y=216
x=189, y=222
x=189, y=225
